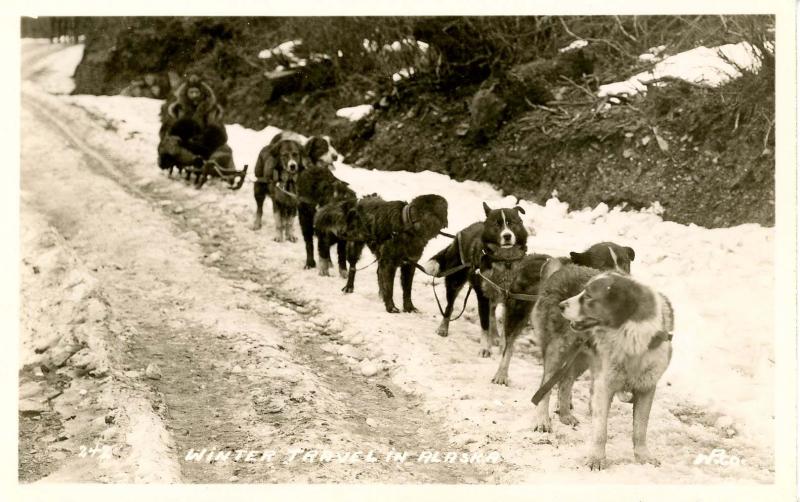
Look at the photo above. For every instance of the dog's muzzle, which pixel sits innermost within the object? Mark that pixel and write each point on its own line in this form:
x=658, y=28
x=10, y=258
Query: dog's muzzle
x=583, y=324
x=507, y=239
x=292, y=167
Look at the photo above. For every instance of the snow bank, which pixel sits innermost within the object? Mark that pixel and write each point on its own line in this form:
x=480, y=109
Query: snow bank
x=709, y=67
x=354, y=113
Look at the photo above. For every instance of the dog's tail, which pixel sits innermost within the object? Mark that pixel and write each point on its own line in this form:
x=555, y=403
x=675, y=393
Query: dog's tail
x=441, y=260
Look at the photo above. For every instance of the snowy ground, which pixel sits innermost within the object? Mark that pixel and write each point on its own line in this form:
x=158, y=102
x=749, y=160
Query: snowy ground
x=717, y=392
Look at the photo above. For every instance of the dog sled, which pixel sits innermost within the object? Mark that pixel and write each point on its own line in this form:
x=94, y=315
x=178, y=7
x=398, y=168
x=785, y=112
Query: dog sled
x=194, y=140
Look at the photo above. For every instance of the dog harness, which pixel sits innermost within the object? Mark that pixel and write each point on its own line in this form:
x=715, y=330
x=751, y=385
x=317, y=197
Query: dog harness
x=572, y=354
x=658, y=339
x=406, y=215
x=503, y=291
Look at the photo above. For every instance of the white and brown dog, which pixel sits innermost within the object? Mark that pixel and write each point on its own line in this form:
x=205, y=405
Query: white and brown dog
x=277, y=169
x=629, y=328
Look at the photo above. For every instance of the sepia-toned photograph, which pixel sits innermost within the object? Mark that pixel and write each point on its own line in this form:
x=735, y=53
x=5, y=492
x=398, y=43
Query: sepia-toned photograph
x=555, y=244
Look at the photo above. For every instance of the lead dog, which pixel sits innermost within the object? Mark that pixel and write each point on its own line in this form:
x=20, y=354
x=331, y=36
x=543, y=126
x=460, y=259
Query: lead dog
x=628, y=327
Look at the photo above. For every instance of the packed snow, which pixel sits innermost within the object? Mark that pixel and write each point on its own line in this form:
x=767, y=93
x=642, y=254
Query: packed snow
x=720, y=281
x=708, y=67
x=59, y=66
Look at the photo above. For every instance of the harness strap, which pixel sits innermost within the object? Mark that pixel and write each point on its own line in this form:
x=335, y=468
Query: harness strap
x=493, y=257
x=290, y=194
x=406, y=214
x=572, y=354
x=658, y=339
x=439, y=303
x=506, y=293
x=367, y=265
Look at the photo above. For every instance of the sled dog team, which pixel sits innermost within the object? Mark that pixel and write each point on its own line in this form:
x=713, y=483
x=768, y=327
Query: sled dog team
x=587, y=311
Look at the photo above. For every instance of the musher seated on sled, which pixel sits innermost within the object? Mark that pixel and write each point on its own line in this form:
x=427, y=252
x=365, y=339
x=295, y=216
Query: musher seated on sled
x=192, y=133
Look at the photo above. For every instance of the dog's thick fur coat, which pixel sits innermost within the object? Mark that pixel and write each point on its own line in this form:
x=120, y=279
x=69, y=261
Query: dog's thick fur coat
x=396, y=233
x=629, y=332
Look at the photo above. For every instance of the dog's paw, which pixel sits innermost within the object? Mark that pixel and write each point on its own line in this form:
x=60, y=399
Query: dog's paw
x=484, y=352
x=443, y=331
x=347, y=289
x=392, y=309
x=278, y=239
x=568, y=419
x=343, y=273
x=596, y=462
x=256, y=226
x=410, y=308
x=291, y=238
x=644, y=457
x=500, y=378
x=542, y=424
x=324, y=272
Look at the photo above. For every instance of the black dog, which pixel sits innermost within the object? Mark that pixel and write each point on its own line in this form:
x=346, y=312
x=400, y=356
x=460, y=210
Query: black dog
x=396, y=233
x=330, y=227
x=317, y=187
x=473, y=246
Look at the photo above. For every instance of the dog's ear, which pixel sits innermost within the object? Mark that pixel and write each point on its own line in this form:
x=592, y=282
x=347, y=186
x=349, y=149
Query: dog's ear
x=316, y=148
x=549, y=268
x=519, y=209
x=576, y=258
x=486, y=209
x=275, y=149
x=631, y=253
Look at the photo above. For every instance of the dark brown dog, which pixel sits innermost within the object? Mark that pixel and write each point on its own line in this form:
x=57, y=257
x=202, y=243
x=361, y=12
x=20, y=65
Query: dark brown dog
x=396, y=233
